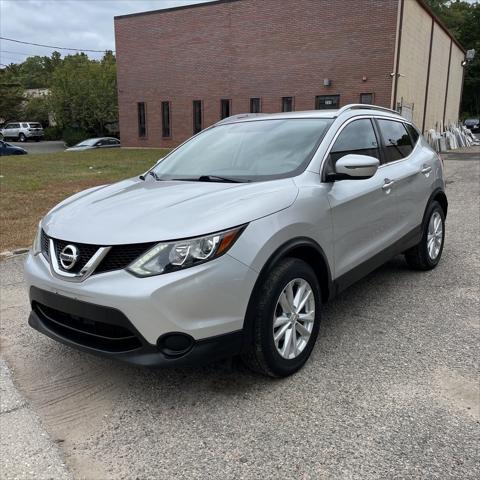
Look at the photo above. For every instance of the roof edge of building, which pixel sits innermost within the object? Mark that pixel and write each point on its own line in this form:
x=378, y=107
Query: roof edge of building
x=172, y=9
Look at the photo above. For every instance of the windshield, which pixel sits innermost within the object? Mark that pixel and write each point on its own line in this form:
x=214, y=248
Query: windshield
x=250, y=151
x=87, y=143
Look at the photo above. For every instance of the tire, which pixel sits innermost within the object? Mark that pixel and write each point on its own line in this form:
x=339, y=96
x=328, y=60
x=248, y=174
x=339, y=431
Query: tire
x=263, y=354
x=22, y=137
x=421, y=257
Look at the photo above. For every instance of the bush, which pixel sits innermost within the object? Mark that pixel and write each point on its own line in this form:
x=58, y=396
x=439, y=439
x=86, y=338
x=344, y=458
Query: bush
x=72, y=136
x=53, y=133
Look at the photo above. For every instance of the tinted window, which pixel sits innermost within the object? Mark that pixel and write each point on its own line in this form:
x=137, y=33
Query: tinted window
x=255, y=105
x=358, y=137
x=24, y=125
x=413, y=133
x=142, y=121
x=395, y=139
x=255, y=150
x=287, y=104
x=166, y=119
x=326, y=102
x=197, y=116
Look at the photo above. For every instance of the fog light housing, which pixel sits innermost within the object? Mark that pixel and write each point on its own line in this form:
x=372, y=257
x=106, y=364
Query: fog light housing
x=175, y=344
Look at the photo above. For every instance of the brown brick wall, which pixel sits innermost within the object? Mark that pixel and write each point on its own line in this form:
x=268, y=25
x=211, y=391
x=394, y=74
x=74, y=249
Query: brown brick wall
x=250, y=48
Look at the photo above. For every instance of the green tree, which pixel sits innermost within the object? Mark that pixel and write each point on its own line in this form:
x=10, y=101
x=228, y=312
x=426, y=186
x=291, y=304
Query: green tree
x=84, y=92
x=11, y=99
x=463, y=19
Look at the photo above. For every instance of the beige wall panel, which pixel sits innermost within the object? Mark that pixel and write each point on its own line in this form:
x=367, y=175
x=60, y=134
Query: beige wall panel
x=438, y=79
x=414, y=51
x=455, y=85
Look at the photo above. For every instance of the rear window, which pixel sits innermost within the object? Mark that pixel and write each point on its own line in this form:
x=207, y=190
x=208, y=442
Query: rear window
x=35, y=125
x=396, y=140
x=413, y=133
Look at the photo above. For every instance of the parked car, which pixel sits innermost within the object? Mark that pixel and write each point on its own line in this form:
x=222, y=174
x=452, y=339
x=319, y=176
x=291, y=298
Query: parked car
x=104, y=142
x=473, y=124
x=22, y=131
x=7, y=149
x=232, y=243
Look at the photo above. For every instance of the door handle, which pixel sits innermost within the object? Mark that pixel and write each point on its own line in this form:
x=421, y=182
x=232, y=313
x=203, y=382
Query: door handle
x=388, y=185
x=426, y=169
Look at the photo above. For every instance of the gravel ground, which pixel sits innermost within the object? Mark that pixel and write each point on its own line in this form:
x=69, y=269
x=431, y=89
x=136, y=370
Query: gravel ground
x=391, y=390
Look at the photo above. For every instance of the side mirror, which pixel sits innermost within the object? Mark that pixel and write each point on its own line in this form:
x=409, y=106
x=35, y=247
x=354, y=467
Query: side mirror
x=354, y=167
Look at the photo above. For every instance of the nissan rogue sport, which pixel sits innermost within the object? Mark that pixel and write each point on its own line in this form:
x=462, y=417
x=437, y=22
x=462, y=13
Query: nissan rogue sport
x=231, y=243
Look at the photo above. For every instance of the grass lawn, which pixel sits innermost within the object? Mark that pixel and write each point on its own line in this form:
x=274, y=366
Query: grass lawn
x=30, y=185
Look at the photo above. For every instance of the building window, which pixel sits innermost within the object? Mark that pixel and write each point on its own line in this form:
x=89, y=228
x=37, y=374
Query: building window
x=287, y=104
x=197, y=116
x=255, y=106
x=327, y=102
x=166, y=133
x=366, y=98
x=142, y=120
x=224, y=108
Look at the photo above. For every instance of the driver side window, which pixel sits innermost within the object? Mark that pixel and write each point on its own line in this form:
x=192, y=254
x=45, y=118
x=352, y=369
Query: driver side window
x=359, y=138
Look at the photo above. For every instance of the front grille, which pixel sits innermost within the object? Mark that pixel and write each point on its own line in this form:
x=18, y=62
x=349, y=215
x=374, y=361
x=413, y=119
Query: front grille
x=84, y=331
x=86, y=252
x=45, y=245
x=118, y=258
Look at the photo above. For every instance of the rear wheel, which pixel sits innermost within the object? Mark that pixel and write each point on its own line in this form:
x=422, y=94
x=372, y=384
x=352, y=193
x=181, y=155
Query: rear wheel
x=426, y=255
x=22, y=137
x=286, y=320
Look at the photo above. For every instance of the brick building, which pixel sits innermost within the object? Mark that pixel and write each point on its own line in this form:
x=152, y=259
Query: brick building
x=183, y=69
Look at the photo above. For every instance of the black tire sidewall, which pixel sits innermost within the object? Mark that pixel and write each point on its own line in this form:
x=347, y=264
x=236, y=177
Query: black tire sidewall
x=278, y=279
x=434, y=207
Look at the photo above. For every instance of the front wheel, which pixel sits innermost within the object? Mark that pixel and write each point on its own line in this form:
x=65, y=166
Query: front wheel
x=286, y=319
x=427, y=254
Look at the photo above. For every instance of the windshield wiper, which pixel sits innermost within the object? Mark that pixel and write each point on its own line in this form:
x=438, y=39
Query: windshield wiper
x=212, y=178
x=152, y=173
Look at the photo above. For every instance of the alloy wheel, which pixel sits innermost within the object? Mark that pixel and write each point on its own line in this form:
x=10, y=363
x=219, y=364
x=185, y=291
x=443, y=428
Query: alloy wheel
x=434, y=235
x=294, y=318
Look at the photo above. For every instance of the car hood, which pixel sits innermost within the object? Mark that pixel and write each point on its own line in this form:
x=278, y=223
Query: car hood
x=136, y=211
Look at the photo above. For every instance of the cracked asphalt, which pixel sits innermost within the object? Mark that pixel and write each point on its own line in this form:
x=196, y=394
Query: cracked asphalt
x=391, y=390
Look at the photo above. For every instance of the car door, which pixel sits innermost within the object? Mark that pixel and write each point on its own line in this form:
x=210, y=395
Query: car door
x=3, y=148
x=363, y=211
x=410, y=169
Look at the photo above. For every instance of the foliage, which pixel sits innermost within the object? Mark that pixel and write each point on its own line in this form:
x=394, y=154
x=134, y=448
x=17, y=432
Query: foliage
x=11, y=98
x=463, y=19
x=72, y=136
x=36, y=109
x=84, y=93
x=52, y=133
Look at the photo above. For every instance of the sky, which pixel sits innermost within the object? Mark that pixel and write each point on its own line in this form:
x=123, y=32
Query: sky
x=83, y=24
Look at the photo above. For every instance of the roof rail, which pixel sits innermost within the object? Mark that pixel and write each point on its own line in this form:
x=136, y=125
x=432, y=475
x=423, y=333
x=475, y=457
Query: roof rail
x=239, y=116
x=364, y=106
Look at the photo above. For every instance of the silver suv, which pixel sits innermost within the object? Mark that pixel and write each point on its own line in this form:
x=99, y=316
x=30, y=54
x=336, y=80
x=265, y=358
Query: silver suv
x=231, y=243
x=22, y=131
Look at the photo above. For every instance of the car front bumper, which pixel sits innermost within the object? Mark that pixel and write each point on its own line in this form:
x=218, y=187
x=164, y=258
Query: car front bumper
x=120, y=316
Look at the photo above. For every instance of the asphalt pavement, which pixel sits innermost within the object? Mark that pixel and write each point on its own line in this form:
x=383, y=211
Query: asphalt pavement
x=33, y=147
x=391, y=390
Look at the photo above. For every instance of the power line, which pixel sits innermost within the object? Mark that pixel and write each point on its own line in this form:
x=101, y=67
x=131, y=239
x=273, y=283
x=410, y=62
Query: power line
x=52, y=46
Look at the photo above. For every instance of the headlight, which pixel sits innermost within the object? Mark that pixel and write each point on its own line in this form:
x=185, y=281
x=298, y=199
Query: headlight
x=37, y=241
x=168, y=257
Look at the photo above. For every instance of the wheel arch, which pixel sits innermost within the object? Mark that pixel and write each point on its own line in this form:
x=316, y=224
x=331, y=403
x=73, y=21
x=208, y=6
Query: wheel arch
x=305, y=249
x=438, y=195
